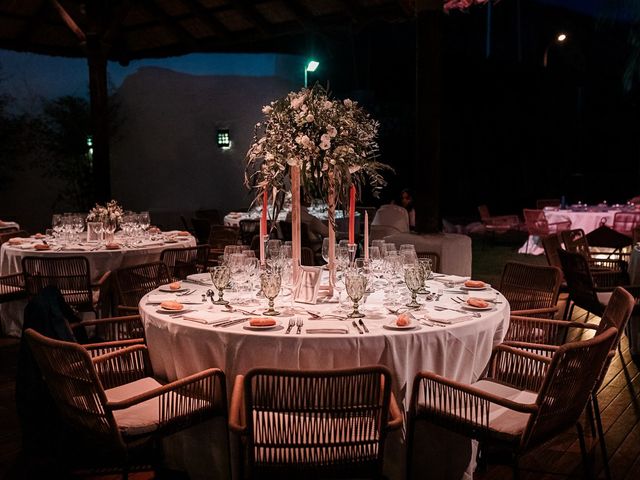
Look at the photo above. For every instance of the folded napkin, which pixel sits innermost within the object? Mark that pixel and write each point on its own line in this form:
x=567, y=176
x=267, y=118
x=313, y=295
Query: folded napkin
x=452, y=278
x=190, y=299
x=25, y=246
x=483, y=294
x=204, y=317
x=200, y=278
x=161, y=297
x=447, y=316
x=75, y=246
x=327, y=330
x=306, y=291
x=148, y=244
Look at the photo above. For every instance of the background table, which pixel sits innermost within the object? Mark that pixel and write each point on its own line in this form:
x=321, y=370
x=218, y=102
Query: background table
x=181, y=347
x=100, y=261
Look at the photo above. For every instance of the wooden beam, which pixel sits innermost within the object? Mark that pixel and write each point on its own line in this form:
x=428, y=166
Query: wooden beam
x=172, y=24
x=207, y=16
x=69, y=21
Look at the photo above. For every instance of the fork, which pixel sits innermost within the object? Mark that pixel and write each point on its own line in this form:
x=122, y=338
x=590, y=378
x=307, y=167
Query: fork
x=473, y=314
x=299, y=324
x=184, y=294
x=328, y=315
x=292, y=323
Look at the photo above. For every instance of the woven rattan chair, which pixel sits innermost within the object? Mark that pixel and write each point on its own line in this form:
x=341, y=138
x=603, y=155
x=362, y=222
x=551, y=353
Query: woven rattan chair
x=318, y=423
x=537, y=224
x=220, y=237
x=609, y=272
x=616, y=314
x=71, y=275
x=201, y=229
x=522, y=400
x=186, y=261
x=531, y=290
x=248, y=229
x=625, y=222
x=114, y=403
x=12, y=288
x=133, y=283
x=435, y=260
x=500, y=223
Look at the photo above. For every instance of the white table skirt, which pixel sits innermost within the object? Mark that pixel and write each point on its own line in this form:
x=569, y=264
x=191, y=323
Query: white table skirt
x=180, y=347
x=100, y=261
x=587, y=221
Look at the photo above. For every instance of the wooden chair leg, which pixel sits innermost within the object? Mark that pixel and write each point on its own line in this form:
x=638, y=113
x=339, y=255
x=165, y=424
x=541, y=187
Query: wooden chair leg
x=583, y=450
x=591, y=419
x=601, y=439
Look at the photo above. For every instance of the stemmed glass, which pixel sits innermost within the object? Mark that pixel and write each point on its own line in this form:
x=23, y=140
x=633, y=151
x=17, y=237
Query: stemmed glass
x=220, y=276
x=325, y=249
x=425, y=263
x=414, y=279
x=145, y=222
x=270, y=283
x=57, y=225
x=356, y=285
x=235, y=262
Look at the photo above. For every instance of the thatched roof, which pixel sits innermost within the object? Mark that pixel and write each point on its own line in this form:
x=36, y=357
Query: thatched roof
x=133, y=29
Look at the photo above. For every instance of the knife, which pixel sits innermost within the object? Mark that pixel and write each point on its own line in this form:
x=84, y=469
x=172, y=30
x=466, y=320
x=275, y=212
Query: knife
x=235, y=321
x=357, y=327
x=197, y=282
x=361, y=322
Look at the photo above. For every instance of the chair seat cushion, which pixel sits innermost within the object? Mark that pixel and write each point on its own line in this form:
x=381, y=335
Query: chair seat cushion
x=139, y=419
x=504, y=420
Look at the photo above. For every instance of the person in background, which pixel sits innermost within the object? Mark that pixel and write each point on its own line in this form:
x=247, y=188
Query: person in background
x=406, y=200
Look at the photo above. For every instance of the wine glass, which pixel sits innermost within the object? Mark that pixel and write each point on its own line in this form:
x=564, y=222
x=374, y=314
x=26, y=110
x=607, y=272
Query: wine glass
x=325, y=249
x=270, y=283
x=235, y=262
x=414, y=279
x=57, y=225
x=220, y=276
x=145, y=222
x=355, y=284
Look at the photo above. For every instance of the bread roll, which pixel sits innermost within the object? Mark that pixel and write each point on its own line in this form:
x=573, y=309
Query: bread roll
x=403, y=320
x=112, y=246
x=262, y=322
x=41, y=246
x=474, y=284
x=477, y=302
x=172, y=305
x=175, y=286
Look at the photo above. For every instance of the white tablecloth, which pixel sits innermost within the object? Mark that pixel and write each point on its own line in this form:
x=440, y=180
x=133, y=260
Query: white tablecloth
x=587, y=221
x=454, y=249
x=461, y=351
x=100, y=261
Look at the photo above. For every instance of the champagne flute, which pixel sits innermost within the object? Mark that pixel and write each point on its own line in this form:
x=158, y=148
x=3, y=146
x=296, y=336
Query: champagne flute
x=220, y=278
x=270, y=283
x=355, y=284
x=414, y=279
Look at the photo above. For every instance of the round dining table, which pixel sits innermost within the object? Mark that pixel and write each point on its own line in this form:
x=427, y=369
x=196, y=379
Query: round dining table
x=101, y=260
x=455, y=343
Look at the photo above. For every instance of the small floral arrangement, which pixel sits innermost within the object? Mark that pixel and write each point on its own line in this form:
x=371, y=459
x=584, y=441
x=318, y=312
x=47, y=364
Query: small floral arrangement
x=110, y=214
x=333, y=142
x=460, y=4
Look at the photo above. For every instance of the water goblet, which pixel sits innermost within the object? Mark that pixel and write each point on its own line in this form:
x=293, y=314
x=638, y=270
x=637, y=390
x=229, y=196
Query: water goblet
x=414, y=279
x=355, y=284
x=270, y=283
x=220, y=276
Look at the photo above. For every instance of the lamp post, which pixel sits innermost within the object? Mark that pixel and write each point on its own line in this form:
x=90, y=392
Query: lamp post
x=559, y=40
x=311, y=67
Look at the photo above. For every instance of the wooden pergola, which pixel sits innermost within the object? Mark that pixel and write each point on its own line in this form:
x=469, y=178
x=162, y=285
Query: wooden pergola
x=125, y=30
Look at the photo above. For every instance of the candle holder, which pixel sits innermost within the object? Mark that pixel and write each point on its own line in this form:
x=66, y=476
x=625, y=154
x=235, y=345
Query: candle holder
x=352, y=253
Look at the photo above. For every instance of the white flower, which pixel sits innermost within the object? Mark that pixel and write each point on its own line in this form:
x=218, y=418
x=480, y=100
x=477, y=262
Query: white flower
x=348, y=103
x=310, y=118
x=267, y=109
x=297, y=102
x=328, y=104
x=331, y=130
x=292, y=162
x=269, y=156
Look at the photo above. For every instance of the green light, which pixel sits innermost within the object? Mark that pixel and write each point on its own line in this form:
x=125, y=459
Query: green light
x=311, y=67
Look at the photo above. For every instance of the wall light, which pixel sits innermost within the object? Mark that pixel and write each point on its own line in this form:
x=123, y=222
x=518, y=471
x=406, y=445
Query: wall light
x=311, y=67
x=223, y=139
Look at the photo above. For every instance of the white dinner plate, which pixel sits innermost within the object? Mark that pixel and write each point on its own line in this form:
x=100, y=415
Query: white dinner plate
x=486, y=287
x=466, y=306
x=258, y=327
x=161, y=308
x=166, y=288
x=393, y=326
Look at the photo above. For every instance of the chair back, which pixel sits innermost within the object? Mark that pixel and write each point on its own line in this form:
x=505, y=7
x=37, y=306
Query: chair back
x=570, y=378
x=220, y=237
x=528, y=286
x=248, y=229
x=132, y=283
x=211, y=214
x=4, y=237
x=70, y=275
x=75, y=387
x=625, y=222
x=576, y=241
x=435, y=260
x=551, y=245
x=536, y=222
x=318, y=422
x=201, y=229
x=547, y=202
x=185, y=261
x=580, y=283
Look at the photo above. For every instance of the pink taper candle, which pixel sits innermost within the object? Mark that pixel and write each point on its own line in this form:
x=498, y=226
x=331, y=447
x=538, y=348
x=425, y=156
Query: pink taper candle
x=352, y=214
x=263, y=225
x=366, y=235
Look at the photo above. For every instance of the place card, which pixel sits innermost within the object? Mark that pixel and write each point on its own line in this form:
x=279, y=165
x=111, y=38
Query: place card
x=94, y=232
x=306, y=290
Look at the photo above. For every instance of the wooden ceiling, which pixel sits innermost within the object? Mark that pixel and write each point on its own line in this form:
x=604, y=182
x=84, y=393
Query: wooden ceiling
x=133, y=29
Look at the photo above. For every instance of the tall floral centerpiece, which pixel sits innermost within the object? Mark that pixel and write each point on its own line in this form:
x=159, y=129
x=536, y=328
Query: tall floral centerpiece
x=324, y=145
